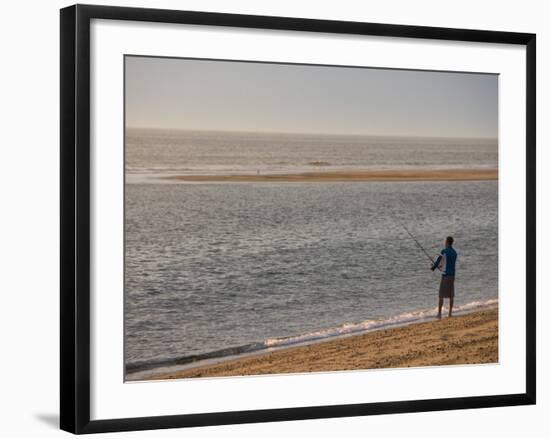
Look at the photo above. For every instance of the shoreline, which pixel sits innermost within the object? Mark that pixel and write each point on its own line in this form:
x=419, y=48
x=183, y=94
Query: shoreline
x=350, y=175
x=470, y=338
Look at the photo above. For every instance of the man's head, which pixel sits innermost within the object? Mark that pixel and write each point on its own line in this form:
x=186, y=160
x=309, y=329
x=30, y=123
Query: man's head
x=449, y=240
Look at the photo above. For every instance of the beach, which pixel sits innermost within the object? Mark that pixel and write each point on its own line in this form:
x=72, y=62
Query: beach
x=245, y=243
x=351, y=175
x=465, y=339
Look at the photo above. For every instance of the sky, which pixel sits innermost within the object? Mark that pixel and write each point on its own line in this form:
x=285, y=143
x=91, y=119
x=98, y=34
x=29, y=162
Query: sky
x=190, y=94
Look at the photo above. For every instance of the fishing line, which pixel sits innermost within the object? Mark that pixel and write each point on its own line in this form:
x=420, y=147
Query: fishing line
x=408, y=233
x=416, y=241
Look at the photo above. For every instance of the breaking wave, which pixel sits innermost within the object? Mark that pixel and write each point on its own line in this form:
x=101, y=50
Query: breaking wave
x=345, y=329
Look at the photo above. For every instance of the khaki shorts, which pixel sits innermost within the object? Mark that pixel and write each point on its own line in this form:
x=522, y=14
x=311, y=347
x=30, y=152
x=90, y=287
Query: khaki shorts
x=447, y=287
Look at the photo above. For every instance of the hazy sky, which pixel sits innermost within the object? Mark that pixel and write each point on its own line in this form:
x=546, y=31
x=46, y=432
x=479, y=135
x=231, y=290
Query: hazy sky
x=241, y=96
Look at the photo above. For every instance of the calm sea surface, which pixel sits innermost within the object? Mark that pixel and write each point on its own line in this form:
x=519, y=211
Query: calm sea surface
x=214, y=266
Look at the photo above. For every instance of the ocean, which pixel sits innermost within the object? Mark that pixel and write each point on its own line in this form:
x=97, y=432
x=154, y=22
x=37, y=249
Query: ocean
x=220, y=269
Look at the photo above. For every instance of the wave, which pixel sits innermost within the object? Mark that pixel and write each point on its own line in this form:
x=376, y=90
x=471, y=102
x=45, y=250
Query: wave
x=319, y=163
x=370, y=325
x=270, y=344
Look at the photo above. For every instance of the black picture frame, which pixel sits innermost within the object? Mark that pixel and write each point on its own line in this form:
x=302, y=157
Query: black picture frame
x=75, y=217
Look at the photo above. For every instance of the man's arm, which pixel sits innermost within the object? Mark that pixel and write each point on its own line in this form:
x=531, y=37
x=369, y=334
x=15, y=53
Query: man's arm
x=436, y=263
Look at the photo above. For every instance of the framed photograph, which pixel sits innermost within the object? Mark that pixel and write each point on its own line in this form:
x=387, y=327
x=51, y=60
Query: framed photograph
x=275, y=218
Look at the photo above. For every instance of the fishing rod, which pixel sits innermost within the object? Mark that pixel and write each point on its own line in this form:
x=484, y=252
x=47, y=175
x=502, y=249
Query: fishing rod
x=416, y=241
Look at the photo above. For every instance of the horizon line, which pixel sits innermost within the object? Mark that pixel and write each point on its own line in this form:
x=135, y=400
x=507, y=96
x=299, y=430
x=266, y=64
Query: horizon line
x=304, y=133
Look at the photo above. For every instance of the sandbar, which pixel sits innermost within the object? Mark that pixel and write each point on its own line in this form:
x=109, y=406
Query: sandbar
x=350, y=175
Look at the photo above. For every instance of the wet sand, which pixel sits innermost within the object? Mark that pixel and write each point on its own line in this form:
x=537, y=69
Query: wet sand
x=465, y=339
x=353, y=175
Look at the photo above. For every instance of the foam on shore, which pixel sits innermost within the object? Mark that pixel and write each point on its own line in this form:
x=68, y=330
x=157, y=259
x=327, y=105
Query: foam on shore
x=139, y=372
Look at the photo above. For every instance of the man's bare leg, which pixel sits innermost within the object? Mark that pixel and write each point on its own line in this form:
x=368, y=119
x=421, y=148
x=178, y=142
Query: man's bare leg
x=439, y=306
x=451, y=301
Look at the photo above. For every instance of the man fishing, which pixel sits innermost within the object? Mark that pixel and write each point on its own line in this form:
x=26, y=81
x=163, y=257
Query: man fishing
x=446, y=262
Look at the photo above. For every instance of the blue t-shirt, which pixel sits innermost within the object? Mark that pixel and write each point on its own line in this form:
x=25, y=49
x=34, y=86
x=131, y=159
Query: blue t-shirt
x=446, y=261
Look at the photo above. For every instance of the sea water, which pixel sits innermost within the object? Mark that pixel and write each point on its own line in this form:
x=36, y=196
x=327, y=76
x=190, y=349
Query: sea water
x=218, y=269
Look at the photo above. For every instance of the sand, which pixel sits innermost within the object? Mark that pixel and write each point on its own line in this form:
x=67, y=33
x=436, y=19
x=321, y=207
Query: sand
x=354, y=175
x=465, y=339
